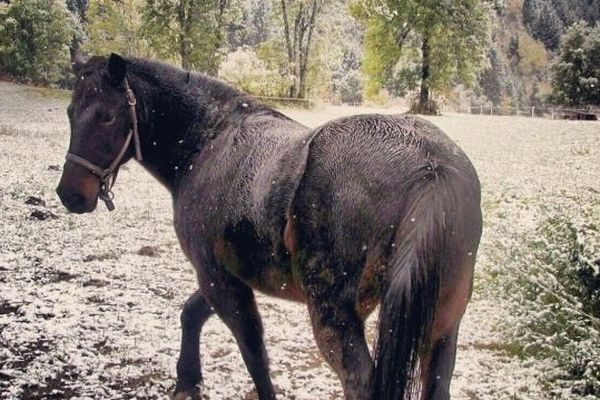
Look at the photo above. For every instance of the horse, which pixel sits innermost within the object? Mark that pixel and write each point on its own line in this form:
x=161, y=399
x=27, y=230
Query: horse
x=363, y=211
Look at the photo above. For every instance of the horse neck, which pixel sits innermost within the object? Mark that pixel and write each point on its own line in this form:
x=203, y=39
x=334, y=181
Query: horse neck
x=175, y=121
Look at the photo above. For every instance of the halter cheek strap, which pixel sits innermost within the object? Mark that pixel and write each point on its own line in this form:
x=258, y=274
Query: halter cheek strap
x=108, y=176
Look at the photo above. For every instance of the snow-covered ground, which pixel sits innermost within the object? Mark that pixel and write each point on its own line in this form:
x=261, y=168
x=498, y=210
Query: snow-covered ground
x=89, y=304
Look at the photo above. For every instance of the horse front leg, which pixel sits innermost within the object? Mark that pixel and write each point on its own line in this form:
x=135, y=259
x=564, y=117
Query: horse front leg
x=234, y=303
x=196, y=311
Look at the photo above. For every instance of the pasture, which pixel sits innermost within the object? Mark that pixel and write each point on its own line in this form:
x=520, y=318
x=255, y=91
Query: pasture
x=89, y=304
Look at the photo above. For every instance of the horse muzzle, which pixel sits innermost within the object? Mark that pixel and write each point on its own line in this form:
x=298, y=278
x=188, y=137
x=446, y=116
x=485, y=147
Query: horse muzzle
x=81, y=197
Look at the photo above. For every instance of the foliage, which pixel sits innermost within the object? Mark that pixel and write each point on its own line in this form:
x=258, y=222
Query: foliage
x=246, y=71
x=190, y=32
x=576, y=74
x=350, y=87
x=491, y=78
x=113, y=27
x=553, y=283
x=34, y=39
x=533, y=59
x=249, y=24
x=447, y=38
x=79, y=8
x=547, y=20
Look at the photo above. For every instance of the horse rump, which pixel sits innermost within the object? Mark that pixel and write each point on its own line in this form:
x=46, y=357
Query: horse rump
x=422, y=253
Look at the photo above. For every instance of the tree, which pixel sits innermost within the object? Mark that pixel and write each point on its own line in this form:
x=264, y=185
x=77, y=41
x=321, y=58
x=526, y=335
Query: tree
x=190, y=32
x=576, y=73
x=299, y=21
x=447, y=39
x=79, y=8
x=543, y=21
x=34, y=39
x=490, y=79
x=246, y=71
x=251, y=24
x=113, y=26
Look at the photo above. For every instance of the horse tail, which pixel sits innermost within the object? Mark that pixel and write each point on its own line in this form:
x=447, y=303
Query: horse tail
x=409, y=302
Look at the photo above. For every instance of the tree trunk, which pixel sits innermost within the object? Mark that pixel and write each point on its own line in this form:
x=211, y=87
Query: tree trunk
x=424, y=105
x=298, y=40
x=305, y=52
x=185, y=50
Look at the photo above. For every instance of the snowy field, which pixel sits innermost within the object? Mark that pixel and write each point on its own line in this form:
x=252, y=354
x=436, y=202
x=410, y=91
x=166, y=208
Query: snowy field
x=89, y=304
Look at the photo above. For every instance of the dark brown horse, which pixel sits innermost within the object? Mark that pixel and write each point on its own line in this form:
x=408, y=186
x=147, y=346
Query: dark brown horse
x=361, y=211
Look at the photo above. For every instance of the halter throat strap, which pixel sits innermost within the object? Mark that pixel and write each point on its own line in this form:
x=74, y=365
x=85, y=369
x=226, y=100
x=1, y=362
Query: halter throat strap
x=108, y=176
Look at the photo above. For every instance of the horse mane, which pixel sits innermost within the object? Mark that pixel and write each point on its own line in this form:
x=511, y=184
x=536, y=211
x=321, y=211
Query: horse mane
x=195, y=89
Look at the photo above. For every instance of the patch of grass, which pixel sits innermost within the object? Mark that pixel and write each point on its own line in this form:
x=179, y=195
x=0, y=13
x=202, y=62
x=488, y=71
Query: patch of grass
x=48, y=93
x=552, y=281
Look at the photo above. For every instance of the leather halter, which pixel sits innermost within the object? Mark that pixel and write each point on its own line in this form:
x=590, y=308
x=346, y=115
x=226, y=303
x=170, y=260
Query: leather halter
x=108, y=176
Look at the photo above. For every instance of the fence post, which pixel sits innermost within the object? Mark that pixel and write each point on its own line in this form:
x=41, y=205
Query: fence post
x=518, y=112
x=481, y=112
x=532, y=111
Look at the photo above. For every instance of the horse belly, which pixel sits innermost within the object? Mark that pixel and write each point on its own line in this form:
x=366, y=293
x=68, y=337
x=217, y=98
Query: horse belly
x=261, y=270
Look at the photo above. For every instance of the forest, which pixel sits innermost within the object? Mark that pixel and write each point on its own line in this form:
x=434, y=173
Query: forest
x=457, y=54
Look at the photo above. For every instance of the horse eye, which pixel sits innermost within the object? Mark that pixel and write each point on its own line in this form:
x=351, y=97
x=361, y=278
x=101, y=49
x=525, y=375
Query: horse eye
x=109, y=119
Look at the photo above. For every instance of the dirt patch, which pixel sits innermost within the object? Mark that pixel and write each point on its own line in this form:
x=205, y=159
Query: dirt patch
x=99, y=283
x=42, y=215
x=57, y=387
x=101, y=257
x=150, y=251
x=35, y=201
x=7, y=308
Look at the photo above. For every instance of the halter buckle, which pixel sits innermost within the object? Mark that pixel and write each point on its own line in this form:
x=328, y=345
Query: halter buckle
x=131, y=97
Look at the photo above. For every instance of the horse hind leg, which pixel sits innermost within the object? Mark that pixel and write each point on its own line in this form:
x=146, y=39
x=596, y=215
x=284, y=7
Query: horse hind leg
x=438, y=368
x=339, y=333
x=438, y=365
x=189, y=374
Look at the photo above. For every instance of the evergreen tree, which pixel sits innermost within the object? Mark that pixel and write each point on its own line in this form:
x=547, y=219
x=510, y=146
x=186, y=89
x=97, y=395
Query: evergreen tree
x=490, y=79
x=576, y=74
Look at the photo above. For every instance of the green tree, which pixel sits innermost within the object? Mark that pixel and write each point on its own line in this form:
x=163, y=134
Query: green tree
x=447, y=38
x=576, y=73
x=113, y=26
x=190, y=32
x=34, y=39
x=299, y=21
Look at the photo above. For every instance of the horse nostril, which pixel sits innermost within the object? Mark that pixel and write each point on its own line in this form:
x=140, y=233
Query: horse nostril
x=75, y=201
x=72, y=200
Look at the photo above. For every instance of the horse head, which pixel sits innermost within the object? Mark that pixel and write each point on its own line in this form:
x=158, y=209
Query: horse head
x=101, y=116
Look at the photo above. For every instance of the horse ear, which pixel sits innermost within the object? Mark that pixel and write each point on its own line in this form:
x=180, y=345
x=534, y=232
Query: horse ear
x=78, y=60
x=116, y=69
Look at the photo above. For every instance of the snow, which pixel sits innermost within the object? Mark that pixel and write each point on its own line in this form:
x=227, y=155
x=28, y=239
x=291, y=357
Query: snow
x=83, y=315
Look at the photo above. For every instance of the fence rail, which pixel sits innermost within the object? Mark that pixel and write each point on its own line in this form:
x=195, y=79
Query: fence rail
x=551, y=112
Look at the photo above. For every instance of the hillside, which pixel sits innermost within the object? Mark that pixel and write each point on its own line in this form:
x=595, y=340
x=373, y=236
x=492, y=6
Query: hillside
x=525, y=38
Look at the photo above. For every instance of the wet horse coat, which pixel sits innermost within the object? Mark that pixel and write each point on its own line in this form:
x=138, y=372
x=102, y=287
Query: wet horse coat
x=361, y=211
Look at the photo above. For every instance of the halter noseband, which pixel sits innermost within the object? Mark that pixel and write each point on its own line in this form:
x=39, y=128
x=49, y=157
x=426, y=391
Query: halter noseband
x=108, y=176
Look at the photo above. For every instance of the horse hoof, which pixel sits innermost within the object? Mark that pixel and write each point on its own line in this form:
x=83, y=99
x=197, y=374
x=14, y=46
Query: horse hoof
x=194, y=393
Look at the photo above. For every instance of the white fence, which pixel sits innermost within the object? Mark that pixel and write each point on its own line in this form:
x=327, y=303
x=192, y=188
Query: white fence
x=544, y=112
